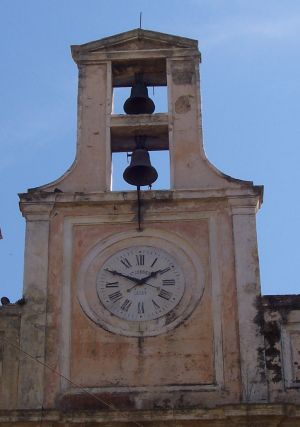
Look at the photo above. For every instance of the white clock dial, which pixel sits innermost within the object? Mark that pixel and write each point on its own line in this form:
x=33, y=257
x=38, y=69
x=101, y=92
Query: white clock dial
x=140, y=283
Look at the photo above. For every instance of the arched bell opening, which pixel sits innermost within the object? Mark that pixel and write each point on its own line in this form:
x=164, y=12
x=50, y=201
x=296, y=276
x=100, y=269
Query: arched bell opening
x=159, y=95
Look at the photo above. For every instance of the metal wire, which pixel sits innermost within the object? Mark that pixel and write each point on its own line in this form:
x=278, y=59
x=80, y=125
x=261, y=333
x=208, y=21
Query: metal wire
x=67, y=379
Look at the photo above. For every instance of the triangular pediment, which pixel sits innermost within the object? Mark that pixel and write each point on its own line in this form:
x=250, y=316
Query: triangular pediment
x=137, y=39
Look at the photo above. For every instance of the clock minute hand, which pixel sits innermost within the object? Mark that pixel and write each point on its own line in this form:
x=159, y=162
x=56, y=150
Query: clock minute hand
x=133, y=279
x=142, y=283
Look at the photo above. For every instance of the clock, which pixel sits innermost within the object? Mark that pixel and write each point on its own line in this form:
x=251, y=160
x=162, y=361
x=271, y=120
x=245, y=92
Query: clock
x=140, y=283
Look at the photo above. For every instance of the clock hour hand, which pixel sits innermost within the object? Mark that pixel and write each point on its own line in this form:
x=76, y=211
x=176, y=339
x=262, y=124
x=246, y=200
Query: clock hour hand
x=133, y=279
x=153, y=274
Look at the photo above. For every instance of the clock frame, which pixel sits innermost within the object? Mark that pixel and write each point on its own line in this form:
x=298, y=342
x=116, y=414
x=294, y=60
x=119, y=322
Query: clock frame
x=174, y=250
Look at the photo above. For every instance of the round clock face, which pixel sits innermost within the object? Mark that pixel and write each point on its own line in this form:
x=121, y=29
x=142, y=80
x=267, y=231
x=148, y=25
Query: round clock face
x=140, y=283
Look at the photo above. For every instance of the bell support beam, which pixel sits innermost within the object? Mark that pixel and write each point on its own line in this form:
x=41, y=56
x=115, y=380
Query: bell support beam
x=154, y=72
x=125, y=128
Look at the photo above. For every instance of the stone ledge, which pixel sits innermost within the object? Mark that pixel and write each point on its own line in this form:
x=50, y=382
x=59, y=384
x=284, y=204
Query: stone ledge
x=10, y=310
x=275, y=302
x=41, y=197
x=230, y=415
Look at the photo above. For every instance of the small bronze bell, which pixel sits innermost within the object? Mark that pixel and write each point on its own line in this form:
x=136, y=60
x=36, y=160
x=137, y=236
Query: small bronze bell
x=139, y=101
x=140, y=171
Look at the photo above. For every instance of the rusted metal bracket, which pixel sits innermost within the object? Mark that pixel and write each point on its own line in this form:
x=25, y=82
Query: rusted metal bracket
x=138, y=190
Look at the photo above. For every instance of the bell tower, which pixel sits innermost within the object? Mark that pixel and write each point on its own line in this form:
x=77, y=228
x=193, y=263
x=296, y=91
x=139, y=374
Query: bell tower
x=141, y=321
x=118, y=61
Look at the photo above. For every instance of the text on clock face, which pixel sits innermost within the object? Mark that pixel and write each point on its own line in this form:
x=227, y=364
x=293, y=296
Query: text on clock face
x=140, y=283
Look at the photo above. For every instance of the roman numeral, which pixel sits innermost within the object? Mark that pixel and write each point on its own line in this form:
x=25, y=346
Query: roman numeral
x=115, y=296
x=165, y=294
x=126, y=263
x=140, y=259
x=168, y=282
x=141, y=308
x=154, y=262
x=126, y=304
x=165, y=270
x=112, y=285
x=155, y=304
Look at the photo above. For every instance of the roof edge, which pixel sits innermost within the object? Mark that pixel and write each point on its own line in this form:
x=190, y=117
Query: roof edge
x=136, y=33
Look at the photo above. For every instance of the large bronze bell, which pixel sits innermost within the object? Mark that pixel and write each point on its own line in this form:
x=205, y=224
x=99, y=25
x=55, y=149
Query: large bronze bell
x=139, y=101
x=140, y=171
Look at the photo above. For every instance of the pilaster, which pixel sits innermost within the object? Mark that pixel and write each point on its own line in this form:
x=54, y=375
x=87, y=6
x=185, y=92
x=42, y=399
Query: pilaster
x=248, y=296
x=33, y=322
x=185, y=135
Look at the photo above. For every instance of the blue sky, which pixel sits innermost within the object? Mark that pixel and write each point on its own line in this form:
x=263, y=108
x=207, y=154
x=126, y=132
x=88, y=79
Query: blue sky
x=250, y=81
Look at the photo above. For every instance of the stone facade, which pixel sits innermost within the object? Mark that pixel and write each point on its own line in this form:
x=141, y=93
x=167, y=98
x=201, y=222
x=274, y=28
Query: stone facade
x=232, y=359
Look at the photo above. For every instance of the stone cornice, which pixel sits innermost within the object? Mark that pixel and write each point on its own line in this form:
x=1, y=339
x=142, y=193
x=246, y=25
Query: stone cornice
x=10, y=310
x=36, y=210
x=279, y=302
x=38, y=205
x=49, y=198
x=244, y=205
x=100, y=57
x=266, y=414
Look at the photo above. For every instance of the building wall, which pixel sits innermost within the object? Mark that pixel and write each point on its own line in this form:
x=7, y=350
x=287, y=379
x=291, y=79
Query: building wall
x=10, y=316
x=198, y=353
x=280, y=325
x=281, y=328
x=189, y=354
x=230, y=357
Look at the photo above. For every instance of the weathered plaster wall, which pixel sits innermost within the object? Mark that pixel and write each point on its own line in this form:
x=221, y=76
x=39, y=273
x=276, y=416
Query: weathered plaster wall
x=279, y=325
x=184, y=356
x=9, y=356
x=281, y=328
